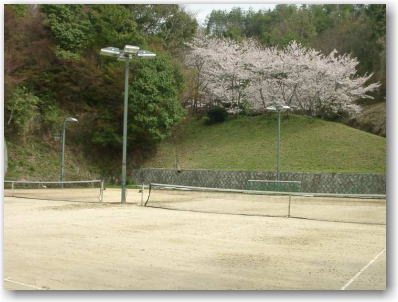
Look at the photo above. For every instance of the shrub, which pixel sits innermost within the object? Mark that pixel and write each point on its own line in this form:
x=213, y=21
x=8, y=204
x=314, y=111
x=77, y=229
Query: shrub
x=216, y=115
x=22, y=110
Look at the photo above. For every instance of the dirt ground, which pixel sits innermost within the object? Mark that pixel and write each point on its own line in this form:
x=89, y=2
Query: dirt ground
x=60, y=245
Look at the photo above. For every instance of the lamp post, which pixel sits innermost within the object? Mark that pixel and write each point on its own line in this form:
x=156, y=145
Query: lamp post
x=278, y=109
x=126, y=55
x=68, y=119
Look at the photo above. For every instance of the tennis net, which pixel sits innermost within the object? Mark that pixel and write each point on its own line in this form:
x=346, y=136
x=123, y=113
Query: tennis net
x=367, y=209
x=82, y=190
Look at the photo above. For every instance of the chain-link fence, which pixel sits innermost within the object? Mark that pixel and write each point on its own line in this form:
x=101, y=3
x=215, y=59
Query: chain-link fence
x=340, y=183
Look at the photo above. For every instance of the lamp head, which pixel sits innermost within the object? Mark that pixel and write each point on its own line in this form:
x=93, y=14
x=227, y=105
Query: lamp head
x=110, y=51
x=145, y=54
x=271, y=108
x=131, y=49
x=277, y=108
x=127, y=52
x=71, y=119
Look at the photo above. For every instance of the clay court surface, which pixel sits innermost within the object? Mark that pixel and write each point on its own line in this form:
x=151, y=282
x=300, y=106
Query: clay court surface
x=69, y=245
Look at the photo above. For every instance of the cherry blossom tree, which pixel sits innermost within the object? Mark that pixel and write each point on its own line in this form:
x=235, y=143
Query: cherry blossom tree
x=239, y=73
x=220, y=70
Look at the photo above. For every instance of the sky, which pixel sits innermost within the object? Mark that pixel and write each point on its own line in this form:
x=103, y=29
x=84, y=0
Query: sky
x=201, y=11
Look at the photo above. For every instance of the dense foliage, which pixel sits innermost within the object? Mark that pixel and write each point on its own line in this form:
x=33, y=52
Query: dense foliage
x=53, y=69
x=154, y=105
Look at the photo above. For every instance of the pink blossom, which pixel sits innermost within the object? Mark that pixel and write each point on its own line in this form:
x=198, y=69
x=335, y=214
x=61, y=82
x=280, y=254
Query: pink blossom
x=238, y=73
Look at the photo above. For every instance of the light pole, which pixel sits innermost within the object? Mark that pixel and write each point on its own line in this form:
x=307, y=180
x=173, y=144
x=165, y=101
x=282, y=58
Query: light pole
x=278, y=109
x=126, y=55
x=68, y=119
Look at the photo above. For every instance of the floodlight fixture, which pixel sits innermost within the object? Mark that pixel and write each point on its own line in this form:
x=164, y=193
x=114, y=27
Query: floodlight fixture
x=110, y=51
x=129, y=49
x=71, y=119
x=145, y=54
x=278, y=108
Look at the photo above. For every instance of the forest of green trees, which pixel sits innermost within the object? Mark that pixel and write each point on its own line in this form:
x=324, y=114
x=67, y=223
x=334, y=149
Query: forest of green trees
x=53, y=66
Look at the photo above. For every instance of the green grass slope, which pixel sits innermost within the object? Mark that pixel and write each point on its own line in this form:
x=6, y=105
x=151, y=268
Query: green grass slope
x=249, y=143
x=38, y=159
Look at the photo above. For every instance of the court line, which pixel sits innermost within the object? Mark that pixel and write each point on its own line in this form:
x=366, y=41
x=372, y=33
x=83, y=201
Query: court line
x=24, y=284
x=363, y=269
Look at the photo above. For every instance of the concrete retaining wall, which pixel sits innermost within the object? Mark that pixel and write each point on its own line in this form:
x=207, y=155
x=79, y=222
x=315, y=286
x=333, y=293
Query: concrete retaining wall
x=344, y=183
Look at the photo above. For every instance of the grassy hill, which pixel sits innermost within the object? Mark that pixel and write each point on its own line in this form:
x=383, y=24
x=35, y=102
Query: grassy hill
x=249, y=143
x=39, y=159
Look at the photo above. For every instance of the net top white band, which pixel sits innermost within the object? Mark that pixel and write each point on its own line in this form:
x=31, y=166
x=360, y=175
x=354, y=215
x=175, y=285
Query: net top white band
x=363, y=196
x=52, y=182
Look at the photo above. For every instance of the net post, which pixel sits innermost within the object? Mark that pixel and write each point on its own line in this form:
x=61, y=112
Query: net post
x=102, y=191
x=288, y=211
x=12, y=189
x=149, y=194
x=142, y=194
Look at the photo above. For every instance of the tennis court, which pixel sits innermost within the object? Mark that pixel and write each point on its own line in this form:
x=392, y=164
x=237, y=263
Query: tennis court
x=52, y=244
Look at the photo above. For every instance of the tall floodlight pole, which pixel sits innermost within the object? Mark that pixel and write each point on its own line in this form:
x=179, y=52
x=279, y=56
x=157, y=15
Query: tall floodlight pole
x=124, y=157
x=126, y=55
x=278, y=109
x=68, y=119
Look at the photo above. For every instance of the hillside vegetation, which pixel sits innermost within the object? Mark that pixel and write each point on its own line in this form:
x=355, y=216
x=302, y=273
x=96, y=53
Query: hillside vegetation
x=37, y=159
x=249, y=143
x=372, y=119
x=53, y=70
